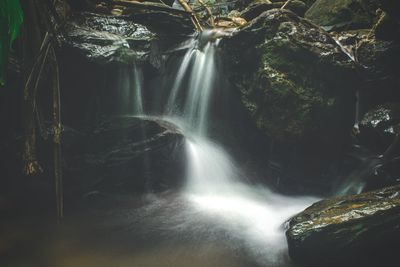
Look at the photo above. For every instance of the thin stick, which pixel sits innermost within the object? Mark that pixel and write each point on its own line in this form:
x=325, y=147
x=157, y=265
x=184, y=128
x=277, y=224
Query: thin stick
x=285, y=4
x=57, y=140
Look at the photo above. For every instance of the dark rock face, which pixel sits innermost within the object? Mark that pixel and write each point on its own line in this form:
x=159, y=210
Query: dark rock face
x=343, y=14
x=290, y=82
x=123, y=155
x=357, y=230
x=106, y=39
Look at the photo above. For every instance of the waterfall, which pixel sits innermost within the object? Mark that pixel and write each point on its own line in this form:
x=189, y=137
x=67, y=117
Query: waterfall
x=214, y=185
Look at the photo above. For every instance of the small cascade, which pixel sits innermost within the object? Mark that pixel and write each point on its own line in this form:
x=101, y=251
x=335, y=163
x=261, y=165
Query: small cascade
x=130, y=86
x=137, y=90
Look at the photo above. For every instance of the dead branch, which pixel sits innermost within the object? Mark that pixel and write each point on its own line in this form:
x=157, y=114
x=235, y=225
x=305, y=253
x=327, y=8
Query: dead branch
x=188, y=9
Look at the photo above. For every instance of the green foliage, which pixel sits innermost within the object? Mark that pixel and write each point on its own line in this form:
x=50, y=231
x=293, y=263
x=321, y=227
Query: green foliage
x=11, y=17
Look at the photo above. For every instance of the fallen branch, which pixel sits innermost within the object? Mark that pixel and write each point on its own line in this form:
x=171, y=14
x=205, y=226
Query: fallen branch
x=188, y=9
x=208, y=9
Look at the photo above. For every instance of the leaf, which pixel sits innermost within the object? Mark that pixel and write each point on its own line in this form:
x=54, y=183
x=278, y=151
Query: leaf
x=11, y=18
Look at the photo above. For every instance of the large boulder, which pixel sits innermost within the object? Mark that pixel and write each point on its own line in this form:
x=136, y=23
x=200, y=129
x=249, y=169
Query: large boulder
x=287, y=71
x=345, y=14
x=356, y=230
x=121, y=155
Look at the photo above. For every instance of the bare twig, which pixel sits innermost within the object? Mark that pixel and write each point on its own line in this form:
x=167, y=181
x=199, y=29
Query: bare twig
x=285, y=4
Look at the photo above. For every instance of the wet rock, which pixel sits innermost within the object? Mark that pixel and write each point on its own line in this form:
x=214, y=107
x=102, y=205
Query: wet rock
x=343, y=14
x=378, y=166
x=371, y=172
x=257, y=7
x=356, y=230
x=379, y=127
x=159, y=17
x=289, y=84
x=242, y=4
x=382, y=60
x=124, y=155
x=296, y=6
x=105, y=39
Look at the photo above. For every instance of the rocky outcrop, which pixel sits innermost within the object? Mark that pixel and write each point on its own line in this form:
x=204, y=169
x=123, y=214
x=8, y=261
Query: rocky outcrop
x=290, y=82
x=122, y=154
x=343, y=14
x=357, y=230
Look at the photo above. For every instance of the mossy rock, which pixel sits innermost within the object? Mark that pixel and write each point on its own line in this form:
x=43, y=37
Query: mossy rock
x=287, y=72
x=343, y=14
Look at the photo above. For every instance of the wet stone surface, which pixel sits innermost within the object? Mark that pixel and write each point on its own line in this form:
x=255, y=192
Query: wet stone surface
x=355, y=230
x=107, y=39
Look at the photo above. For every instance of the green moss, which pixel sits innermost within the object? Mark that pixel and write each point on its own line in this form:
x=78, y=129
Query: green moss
x=11, y=17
